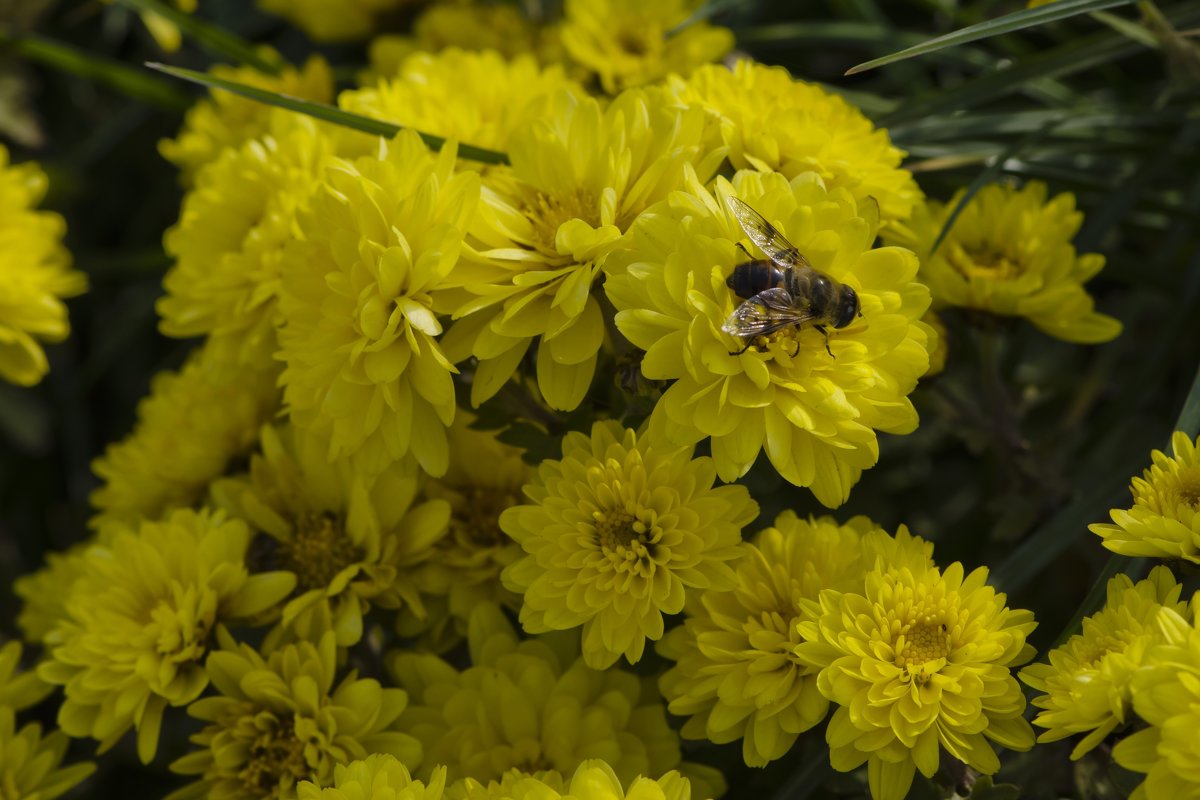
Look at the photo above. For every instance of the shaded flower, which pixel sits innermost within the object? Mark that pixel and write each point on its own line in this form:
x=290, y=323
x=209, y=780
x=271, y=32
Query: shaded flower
x=737, y=673
x=1087, y=684
x=139, y=619
x=363, y=366
x=594, y=779
x=44, y=593
x=30, y=764
x=772, y=122
x=194, y=423
x=617, y=531
x=326, y=21
x=629, y=43
x=580, y=175
x=917, y=661
x=1010, y=253
x=376, y=777
x=19, y=690
x=35, y=274
x=815, y=412
x=941, y=344
x=352, y=542
x=1164, y=521
x=282, y=719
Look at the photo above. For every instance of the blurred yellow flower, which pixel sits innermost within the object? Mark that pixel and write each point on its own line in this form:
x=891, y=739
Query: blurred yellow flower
x=363, y=366
x=44, y=593
x=774, y=123
x=376, y=777
x=19, y=690
x=1010, y=253
x=189, y=429
x=1166, y=694
x=580, y=175
x=334, y=20
x=917, y=661
x=281, y=719
x=1087, y=684
x=737, y=674
x=485, y=478
x=629, y=43
x=224, y=120
x=1165, y=519
x=165, y=33
x=139, y=619
x=352, y=542
x=30, y=764
x=527, y=705
x=35, y=274
x=594, y=779
x=230, y=238
x=480, y=98
x=941, y=344
x=618, y=530
x=815, y=413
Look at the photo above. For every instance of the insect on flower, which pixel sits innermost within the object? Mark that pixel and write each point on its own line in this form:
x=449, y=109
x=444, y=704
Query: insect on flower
x=782, y=290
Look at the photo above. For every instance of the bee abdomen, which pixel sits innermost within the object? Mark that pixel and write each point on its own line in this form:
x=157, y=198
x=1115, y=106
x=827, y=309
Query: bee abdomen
x=752, y=277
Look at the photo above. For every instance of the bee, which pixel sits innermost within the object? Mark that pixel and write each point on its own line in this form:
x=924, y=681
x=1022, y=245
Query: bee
x=784, y=289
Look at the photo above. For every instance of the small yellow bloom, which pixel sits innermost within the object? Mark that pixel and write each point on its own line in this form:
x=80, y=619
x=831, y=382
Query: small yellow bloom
x=1165, y=519
x=593, y=780
x=30, y=763
x=629, y=43
x=375, y=777
x=1166, y=694
x=580, y=175
x=35, y=274
x=139, y=619
x=815, y=413
x=618, y=530
x=1086, y=685
x=191, y=427
x=19, y=691
x=352, y=542
x=1010, y=253
x=225, y=120
x=282, y=719
x=737, y=674
x=363, y=365
x=334, y=20
x=773, y=122
x=917, y=661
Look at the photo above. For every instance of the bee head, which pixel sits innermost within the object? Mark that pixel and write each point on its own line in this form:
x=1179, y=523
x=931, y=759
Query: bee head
x=847, y=308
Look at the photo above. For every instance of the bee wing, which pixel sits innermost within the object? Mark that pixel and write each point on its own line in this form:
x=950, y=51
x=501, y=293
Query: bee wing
x=766, y=236
x=766, y=312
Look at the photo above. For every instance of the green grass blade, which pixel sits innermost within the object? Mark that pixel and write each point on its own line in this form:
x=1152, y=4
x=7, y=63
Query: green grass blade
x=211, y=38
x=325, y=112
x=134, y=83
x=1016, y=21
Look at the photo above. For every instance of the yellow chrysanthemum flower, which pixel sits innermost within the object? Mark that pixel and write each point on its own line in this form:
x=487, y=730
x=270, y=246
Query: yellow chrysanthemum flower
x=1165, y=519
x=815, y=412
x=35, y=274
x=44, y=593
x=480, y=98
x=593, y=780
x=1010, y=253
x=334, y=20
x=30, y=763
x=737, y=674
x=225, y=120
x=229, y=241
x=1087, y=684
x=525, y=705
x=941, y=346
x=359, y=342
x=629, y=43
x=281, y=719
x=191, y=427
x=1166, y=694
x=917, y=661
x=618, y=530
x=19, y=690
x=351, y=542
x=775, y=123
x=139, y=620
x=376, y=777
x=485, y=478
x=580, y=175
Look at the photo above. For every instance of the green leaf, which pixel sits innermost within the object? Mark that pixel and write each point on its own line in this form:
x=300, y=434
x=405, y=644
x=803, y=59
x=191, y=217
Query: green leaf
x=323, y=111
x=132, y=82
x=1019, y=20
x=211, y=38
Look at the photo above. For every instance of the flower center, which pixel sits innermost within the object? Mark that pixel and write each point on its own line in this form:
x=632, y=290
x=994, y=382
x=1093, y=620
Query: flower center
x=1165, y=493
x=636, y=42
x=275, y=755
x=621, y=536
x=1189, y=487
x=923, y=642
x=476, y=520
x=319, y=550
x=550, y=212
x=984, y=262
x=181, y=625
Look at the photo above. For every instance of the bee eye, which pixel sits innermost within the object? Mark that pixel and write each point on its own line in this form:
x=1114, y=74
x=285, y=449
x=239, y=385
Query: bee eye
x=848, y=308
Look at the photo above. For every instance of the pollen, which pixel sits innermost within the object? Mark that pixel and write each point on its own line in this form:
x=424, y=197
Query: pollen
x=319, y=550
x=276, y=755
x=548, y=212
x=622, y=537
x=927, y=640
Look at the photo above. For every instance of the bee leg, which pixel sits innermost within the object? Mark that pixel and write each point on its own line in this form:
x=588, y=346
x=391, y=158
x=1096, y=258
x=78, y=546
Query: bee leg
x=742, y=247
x=825, y=333
x=749, y=342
